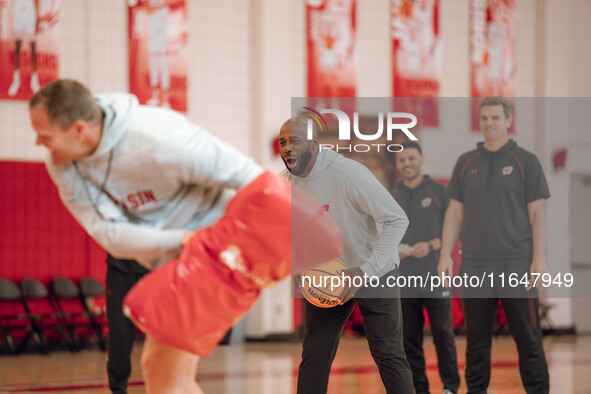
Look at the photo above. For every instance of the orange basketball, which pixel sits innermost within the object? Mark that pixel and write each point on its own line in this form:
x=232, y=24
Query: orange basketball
x=322, y=286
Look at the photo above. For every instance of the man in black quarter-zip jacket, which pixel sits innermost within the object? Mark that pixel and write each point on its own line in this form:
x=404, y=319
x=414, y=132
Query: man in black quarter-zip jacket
x=424, y=202
x=498, y=198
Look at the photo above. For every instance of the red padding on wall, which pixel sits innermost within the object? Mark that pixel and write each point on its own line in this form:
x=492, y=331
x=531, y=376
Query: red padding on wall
x=38, y=236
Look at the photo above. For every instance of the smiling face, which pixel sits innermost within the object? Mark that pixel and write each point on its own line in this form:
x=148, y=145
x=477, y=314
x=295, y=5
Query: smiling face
x=408, y=163
x=65, y=146
x=494, y=124
x=298, y=153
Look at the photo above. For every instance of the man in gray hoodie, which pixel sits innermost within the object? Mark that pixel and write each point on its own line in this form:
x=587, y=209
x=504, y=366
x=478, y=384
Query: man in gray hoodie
x=372, y=225
x=139, y=180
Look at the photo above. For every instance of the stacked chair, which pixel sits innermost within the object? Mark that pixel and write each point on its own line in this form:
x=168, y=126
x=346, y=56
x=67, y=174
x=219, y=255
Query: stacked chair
x=63, y=316
x=46, y=321
x=15, y=319
x=71, y=303
x=91, y=290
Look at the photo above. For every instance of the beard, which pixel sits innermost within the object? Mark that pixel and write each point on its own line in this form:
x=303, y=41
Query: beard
x=412, y=177
x=303, y=161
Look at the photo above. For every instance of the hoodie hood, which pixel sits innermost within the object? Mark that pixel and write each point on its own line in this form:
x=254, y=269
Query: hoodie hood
x=117, y=108
x=323, y=160
x=511, y=144
x=426, y=180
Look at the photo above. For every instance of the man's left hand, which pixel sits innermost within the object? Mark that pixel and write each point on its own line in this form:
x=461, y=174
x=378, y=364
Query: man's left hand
x=538, y=266
x=350, y=291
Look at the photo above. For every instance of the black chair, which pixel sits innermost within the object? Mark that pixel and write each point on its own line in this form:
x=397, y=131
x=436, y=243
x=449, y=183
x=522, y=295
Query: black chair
x=64, y=291
x=91, y=290
x=42, y=314
x=14, y=318
x=74, y=312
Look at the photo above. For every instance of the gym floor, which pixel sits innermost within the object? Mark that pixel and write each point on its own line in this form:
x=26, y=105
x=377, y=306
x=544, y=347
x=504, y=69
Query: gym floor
x=265, y=368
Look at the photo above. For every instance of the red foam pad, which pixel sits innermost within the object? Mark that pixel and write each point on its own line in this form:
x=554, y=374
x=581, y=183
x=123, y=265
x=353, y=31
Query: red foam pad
x=192, y=301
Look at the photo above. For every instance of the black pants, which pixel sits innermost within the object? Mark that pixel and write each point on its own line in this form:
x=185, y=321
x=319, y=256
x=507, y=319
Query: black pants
x=521, y=308
x=382, y=321
x=121, y=276
x=439, y=311
x=524, y=324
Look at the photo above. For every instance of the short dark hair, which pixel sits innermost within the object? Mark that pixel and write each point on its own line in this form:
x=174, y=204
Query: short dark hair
x=67, y=101
x=412, y=144
x=497, y=100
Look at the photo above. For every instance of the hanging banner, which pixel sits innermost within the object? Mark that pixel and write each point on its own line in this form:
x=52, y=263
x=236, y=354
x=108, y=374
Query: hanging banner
x=158, y=52
x=416, y=57
x=493, y=54
x=332, y=53
x=29, y=56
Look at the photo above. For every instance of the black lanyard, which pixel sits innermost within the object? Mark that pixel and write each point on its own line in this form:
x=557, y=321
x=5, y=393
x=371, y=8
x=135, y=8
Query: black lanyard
x=94, y=201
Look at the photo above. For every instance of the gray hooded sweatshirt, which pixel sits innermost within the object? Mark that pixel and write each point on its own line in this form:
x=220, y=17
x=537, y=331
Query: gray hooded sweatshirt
x=153, y=176
x=371, y=221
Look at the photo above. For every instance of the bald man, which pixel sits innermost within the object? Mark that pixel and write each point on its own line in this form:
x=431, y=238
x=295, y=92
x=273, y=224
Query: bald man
x=372, y=225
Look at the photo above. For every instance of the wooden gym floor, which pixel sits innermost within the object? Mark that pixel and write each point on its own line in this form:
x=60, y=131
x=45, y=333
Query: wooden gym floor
x=265, y=368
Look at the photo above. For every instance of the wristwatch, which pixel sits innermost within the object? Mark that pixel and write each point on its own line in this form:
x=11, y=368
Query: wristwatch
x=430, y=246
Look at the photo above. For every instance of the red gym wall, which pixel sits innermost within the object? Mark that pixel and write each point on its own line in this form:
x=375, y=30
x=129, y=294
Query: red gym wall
x=38, y=236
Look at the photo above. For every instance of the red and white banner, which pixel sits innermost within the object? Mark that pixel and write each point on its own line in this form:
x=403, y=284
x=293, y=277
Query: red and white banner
x=416, y=57
x=29, y=56
x=493, y=54
x=332, y=53
x=158, y=52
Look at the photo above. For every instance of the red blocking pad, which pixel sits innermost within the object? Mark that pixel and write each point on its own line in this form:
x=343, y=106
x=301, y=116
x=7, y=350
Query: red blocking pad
x=192, y=301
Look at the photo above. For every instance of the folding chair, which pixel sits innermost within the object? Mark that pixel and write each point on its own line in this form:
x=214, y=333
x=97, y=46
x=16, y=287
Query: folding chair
x=13, y=318
x=66, y=304
x=90, y=291
x=42, y=314
x=74, y=313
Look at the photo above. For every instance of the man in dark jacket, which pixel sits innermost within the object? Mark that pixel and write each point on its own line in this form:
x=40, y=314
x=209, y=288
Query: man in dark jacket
x=497, y=207
x=424, y=202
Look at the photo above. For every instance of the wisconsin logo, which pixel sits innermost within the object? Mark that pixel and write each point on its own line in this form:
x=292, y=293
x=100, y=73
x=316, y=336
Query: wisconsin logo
x=325, y=208
x=507, y=170
x=426, y=202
